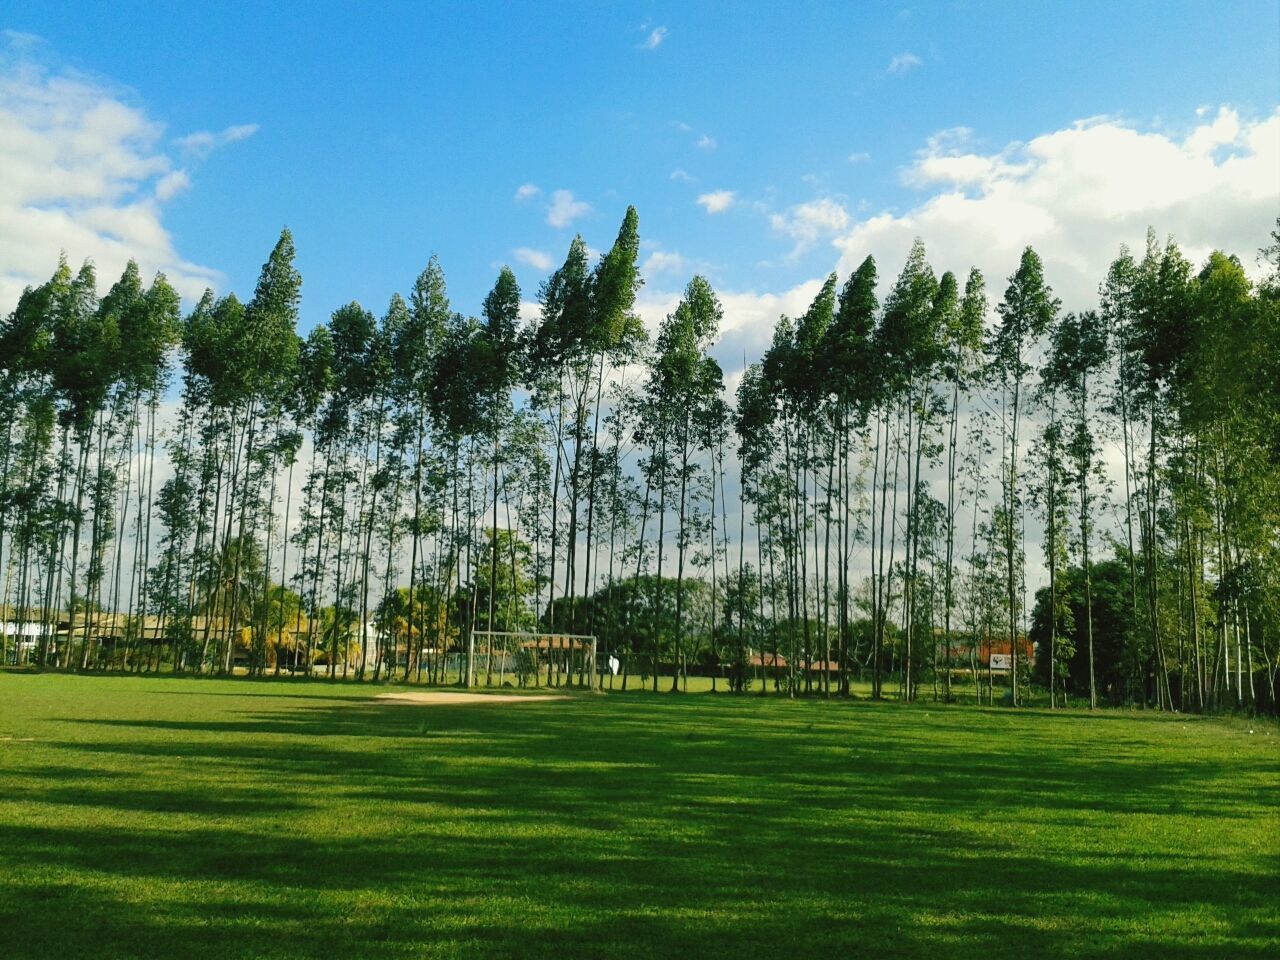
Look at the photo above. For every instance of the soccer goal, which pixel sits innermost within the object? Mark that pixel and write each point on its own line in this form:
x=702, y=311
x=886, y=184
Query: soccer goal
x=525, y=659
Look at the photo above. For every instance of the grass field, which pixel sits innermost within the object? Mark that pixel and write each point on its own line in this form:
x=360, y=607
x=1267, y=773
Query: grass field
x=200, y=818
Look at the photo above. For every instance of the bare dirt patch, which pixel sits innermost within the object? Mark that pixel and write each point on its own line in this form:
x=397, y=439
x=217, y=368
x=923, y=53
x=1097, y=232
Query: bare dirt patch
x=444, y=697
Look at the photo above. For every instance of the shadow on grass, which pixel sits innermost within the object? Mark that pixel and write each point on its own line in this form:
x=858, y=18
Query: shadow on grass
x=590, y=828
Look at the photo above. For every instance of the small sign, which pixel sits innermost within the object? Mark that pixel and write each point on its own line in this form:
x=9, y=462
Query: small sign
x=1001, y=661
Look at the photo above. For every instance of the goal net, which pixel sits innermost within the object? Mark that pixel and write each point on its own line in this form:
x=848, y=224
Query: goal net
x=517, y=658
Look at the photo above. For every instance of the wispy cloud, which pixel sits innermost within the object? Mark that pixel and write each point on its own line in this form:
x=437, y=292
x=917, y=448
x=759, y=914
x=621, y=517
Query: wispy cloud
x=204, y=142
x=172, y=184
x=904, y=62
x=682, y=175
x=860, y=156
x=533, y=258
x=664, y=261
x=654, y=39
x=706, y=142
x=807, y=223
x=527, y=191
x=717, y=201
x=564, y=209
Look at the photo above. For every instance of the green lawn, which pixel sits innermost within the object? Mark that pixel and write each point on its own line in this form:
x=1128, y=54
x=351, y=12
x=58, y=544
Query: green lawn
x=182, y=818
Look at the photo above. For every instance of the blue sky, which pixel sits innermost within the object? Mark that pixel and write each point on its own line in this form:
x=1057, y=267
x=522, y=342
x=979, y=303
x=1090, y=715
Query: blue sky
x=383, y=134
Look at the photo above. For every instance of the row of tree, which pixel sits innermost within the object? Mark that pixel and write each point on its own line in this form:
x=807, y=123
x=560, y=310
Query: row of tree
x=368, y=497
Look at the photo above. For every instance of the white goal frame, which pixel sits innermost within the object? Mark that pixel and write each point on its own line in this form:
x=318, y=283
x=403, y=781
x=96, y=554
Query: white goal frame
x=586, y=642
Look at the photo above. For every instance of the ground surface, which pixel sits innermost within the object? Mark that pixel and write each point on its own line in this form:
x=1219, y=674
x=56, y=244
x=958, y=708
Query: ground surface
x=181, y=818
x=454, y=697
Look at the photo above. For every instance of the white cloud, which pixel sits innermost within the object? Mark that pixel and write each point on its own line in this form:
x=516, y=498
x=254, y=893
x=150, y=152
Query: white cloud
x=564, y=209
x=706, y=143
x=749, y=318
x=1076, y=194
x=807, y=223
x=662, y=261
x=537, y=259
x=172, y=184
x=655, y=38
x=81, y=171
x=682, y=175
x=860, y=156
x=717, y=201
x=527, y=191
x=1223, y=131
x=203, y=142
x=904, y=62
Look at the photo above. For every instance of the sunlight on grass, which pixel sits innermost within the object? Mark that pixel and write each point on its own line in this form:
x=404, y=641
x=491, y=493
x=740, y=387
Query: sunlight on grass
x=201, y=818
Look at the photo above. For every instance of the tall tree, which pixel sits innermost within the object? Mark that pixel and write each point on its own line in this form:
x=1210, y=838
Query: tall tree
x=1026, y=314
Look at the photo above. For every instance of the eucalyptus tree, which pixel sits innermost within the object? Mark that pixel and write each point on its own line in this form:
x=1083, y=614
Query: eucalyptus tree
x=314, y=383
x=684, y=391
x=498, y=358
x=616, y=336
x=185, y=501
x=1159, y=342
x=148, y=327
x=147, y=340
x=909, y=340
x=28, y=408
x=83, y=368
x=798, y=378
x=962, y=333
x=713, y=427
x=177, y=520
x=1224, y=475
x=118, y=318
x=779, y=484
x=1027, y=312
x=207, y=338
x=457, y=410
x=854, y=372
x=1079, y=352
x=978, y=584
x=753, y=421
x=393, y=435
x=743, y=625
x=622, y=497
x=377, y=482
x=415, y=352
x=794, y=394
x=247, y=355
x=1047, y=480
x=807, y=380
x=1116, y=302
x=560, y=361
x=269, y=351
x=354, y=332
x=587, y=327
x=530, y=484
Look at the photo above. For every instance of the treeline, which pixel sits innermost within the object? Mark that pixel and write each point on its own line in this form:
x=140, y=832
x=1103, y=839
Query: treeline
x=194, y=492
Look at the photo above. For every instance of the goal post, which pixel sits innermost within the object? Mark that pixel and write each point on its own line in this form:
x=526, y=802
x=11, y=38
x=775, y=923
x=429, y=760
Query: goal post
x=520, y=658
